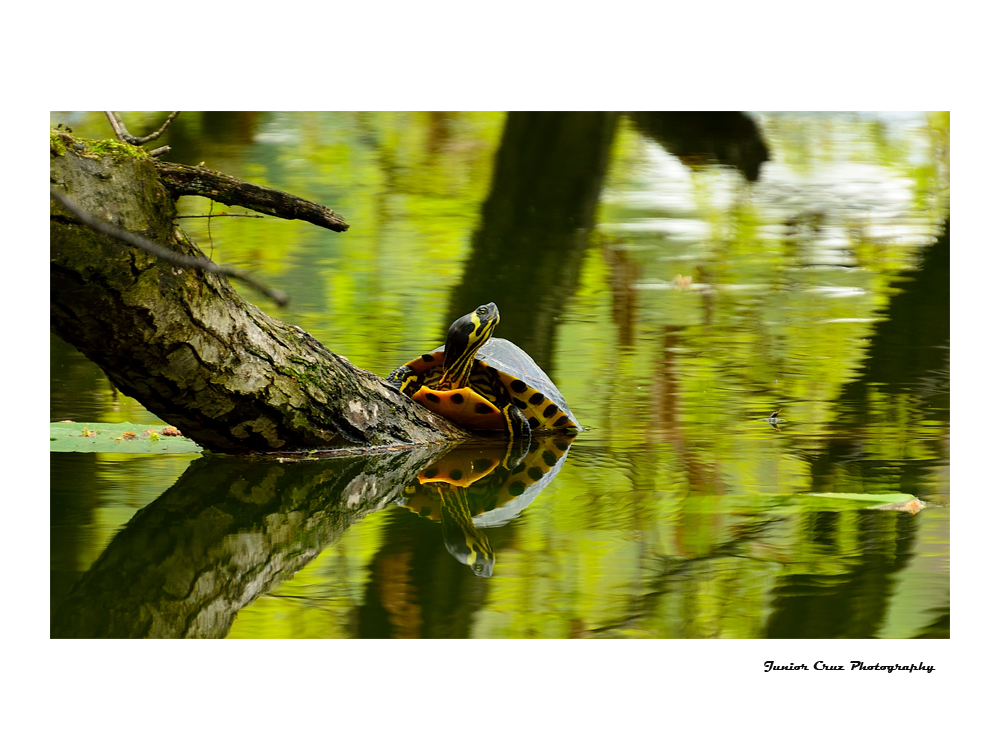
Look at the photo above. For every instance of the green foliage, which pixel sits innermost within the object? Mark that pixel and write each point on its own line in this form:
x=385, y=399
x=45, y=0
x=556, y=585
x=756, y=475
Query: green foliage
x=56, y=143
x=116, y=148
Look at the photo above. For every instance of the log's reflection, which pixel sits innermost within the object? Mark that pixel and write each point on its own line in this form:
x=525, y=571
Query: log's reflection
x=226, y=532
x=230, y=529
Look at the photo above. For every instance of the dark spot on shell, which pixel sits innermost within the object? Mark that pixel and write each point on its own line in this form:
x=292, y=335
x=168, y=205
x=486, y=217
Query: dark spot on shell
x=431, y=472
x=481, y=464
x=549, y=457
x=456, y=474
x=482, y=409
x=520, y=404
x=457, y=398
x=517, y=488
x=536, y=398
x=550, y=411
x=427, y=357
x=518, y=469
x=535, y=473
x=432, y=397
x=560, y=444
x=425, y=511
x=533, y=423
x=560, y=422
x=518, y=386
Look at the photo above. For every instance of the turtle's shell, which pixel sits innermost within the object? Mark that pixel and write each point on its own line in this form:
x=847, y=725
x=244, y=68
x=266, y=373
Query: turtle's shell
x=531, y=390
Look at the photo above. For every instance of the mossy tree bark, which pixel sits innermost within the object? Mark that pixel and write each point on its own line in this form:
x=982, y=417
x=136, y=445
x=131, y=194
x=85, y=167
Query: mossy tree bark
x=184, y=344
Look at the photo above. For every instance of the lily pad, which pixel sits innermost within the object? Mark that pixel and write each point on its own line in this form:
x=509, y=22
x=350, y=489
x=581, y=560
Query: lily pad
x=123, y=437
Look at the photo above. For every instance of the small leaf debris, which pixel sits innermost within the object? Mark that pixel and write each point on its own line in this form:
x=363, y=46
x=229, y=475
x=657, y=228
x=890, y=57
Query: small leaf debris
x=912, y=507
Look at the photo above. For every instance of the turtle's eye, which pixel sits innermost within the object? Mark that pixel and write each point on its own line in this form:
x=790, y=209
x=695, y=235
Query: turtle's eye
x=482, y=311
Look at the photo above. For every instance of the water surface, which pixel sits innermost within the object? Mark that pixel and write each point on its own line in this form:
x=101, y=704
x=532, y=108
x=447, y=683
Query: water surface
x=677, y=290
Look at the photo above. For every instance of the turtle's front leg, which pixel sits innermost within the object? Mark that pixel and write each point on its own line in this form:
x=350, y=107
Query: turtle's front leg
x=402, y=377
x=517, y=423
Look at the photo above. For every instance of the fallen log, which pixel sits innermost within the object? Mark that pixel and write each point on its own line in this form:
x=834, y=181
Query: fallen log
x=182, y=342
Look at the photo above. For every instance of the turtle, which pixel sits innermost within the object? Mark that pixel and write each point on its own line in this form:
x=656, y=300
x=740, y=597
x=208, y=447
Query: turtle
x=484, y=383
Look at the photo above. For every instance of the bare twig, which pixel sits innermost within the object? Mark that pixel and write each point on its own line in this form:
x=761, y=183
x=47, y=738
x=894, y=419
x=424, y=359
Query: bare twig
x=211, y=243
x=223, y=215
x=177, y=259
x=116, y=125
x=123, y=135
x=159, y=151
x=185, y=180
x=156, y=134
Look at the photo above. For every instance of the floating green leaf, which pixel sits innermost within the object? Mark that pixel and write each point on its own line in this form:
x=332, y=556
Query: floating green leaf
x=814, y=501
x=123, y=437
x=865, y=498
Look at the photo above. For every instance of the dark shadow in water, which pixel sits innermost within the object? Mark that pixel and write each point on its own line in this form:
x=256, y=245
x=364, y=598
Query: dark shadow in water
x=527, y=252
x=912, y=344
x=940, y=628
x=909, y=355
x=416, y=589
x=707, y=137
x=851, y=604
x=70, y=508
x=547, y=179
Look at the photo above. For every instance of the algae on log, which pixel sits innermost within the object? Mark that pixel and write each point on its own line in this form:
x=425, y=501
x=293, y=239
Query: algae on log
x=184, y=344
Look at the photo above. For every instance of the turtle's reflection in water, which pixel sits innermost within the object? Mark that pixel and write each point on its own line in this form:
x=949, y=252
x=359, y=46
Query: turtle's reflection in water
x=481, y=485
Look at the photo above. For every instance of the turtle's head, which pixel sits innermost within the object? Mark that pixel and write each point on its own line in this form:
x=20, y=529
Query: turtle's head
x=465, y=336
x=466, y=542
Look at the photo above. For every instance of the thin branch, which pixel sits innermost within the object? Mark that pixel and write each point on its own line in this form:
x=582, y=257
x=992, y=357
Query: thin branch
x=223, y=215
x=208, y=227
x=177, y=259
x=185, y=180
x=117, y=126
x=123, y=135
x=159, y=151
x=156, y=134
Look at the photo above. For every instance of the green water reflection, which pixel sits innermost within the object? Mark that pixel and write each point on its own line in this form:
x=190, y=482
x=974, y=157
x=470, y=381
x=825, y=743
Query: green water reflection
x=376, y=550
x=673, y=300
